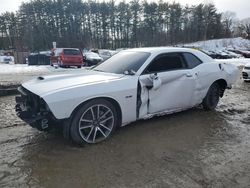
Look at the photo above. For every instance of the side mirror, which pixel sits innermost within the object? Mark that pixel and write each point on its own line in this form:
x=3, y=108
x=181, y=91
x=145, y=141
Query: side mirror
x=156, y=81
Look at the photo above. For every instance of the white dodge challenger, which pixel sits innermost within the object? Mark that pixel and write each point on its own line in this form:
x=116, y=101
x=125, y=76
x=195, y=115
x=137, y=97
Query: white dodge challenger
x=131, y=85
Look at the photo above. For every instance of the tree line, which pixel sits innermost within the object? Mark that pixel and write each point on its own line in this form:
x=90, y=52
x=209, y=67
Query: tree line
x=107, y=24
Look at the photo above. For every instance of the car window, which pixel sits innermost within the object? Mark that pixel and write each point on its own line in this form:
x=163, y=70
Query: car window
x=71, y=52
x=166, y=62
x=121, y=62
x=192, y=60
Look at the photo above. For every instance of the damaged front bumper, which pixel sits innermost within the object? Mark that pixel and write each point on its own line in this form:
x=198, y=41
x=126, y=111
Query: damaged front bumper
x=33, y=110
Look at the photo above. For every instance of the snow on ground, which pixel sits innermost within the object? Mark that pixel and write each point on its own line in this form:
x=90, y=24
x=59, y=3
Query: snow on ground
x=217, y=44
x=26, y=69
x=22, y=69
x=13, y=74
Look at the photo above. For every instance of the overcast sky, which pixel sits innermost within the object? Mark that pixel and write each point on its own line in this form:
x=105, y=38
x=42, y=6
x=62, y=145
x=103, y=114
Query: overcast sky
x=240, y=7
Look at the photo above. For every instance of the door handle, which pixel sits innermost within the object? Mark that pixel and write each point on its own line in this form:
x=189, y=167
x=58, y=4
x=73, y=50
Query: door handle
x=189, y=75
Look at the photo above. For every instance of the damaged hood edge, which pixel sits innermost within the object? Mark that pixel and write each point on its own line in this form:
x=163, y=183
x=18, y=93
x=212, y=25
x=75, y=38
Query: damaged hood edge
x=43, y=85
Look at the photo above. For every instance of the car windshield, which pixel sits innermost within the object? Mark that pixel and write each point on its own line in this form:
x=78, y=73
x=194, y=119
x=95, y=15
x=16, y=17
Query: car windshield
x=125, y=62
x=71, y=52
x=91, y=54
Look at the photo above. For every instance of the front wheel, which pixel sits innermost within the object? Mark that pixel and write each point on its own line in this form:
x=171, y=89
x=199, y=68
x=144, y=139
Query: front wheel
x=94, y=122
x=212, y=98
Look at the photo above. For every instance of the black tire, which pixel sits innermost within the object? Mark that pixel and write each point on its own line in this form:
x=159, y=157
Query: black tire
x=79, y=67
x=212, y=98
x=88, y=129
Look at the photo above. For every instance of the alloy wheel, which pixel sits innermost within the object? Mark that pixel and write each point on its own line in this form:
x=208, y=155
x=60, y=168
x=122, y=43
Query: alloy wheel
x=96, y=123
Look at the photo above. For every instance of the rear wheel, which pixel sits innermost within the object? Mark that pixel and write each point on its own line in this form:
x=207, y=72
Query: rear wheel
x=212, y=98
x=94, y=122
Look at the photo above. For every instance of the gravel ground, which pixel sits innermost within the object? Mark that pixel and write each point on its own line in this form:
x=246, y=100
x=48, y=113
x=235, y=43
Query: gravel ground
x=194, y=148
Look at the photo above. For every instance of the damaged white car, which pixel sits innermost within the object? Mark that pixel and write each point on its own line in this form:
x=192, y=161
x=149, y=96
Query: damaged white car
x=133, y=84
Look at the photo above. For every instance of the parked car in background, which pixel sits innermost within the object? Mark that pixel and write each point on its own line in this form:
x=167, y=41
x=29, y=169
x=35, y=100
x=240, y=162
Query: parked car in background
x=91, y=58
x=104, y=54
x=244, y=53
x=113, y=52
x=131, y=85
x=66, y=57
x=232, y=54
x=6, y=59
x=210, y=53
x=222, y=54
x=246, y=72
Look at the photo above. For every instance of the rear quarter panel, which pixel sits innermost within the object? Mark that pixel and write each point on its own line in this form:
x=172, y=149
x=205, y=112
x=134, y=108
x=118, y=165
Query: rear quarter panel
x=209, y=72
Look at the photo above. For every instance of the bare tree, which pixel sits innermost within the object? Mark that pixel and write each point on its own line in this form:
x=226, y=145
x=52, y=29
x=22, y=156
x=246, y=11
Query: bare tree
x=228, y=20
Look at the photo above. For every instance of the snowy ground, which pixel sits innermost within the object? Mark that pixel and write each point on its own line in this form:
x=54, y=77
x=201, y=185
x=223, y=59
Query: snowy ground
x=218, y=44
x=25, y=69
x=12, y=74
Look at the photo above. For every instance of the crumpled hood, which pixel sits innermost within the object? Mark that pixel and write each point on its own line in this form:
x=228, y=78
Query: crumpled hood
x=46, y=84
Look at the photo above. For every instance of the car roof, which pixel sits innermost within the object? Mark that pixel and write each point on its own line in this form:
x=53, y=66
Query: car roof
x=158, y=50
x=161, y=49
x=67, y=48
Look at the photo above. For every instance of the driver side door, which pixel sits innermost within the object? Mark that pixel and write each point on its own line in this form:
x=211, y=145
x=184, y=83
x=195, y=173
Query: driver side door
x=167, y=85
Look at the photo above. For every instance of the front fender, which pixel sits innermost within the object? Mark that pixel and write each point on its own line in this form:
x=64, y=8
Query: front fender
x=63, y=103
